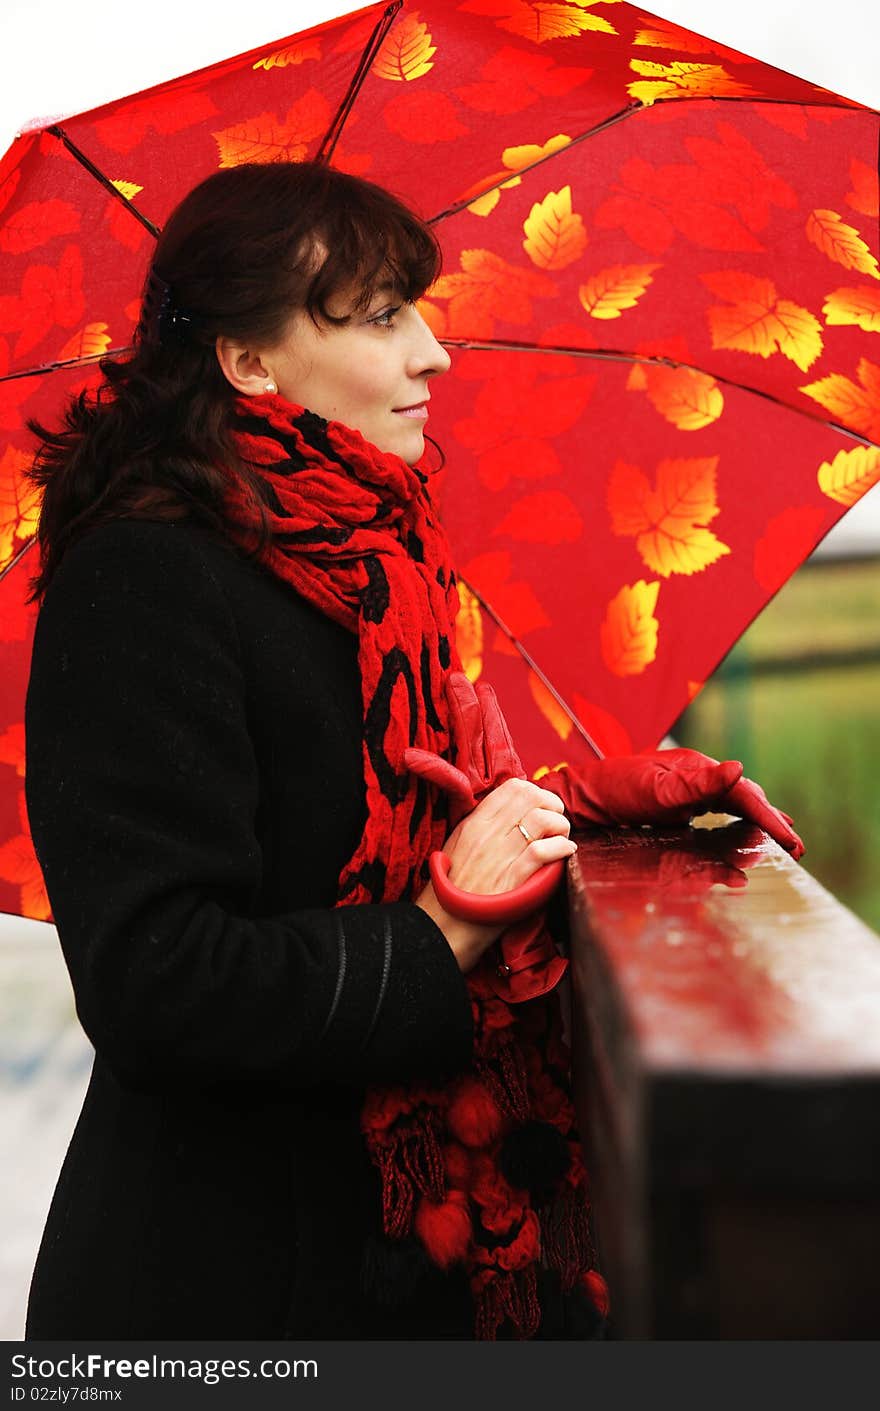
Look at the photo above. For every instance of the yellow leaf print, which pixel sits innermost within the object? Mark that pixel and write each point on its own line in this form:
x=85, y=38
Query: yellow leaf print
x=857, y=307
x=619, y=287
x=850, y=475
x=688, y=399
x=406, y=51
x=555, y=235
x=469, y=632
x=488, y=190
x=19, y=502
x=294, y=54
x=542, y=21
x=756, y=321
x=668, y=521
x=628, y=635
x=683, y=80
x=91, y=342
x=841, y=242
x=128, y=189
x=549, y=707
x=855, y=405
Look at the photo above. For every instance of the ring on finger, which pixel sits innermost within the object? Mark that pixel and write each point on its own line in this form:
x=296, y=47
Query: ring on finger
x=525, y=832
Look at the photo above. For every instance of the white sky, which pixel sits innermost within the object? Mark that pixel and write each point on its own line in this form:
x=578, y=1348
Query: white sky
x=63, y=56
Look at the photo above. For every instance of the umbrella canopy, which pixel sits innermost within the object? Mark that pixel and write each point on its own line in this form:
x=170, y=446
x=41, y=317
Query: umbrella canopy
x=660, y=269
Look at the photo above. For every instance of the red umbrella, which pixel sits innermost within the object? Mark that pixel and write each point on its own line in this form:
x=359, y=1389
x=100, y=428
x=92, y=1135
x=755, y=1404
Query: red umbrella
x=661, y=274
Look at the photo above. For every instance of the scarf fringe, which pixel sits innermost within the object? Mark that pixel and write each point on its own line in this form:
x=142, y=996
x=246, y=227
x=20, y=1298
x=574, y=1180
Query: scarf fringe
x=508, y=1293
x=409, y=1160
x=503, y=1071
x=565, y=1235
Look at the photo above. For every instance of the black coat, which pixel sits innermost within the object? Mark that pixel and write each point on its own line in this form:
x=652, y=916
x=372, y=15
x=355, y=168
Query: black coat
x=195, y=786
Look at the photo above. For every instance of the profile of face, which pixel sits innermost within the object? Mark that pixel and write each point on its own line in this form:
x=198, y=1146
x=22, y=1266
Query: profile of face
x=371, y=373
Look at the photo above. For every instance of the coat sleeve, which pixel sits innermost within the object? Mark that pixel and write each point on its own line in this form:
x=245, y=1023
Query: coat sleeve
x=142, y=788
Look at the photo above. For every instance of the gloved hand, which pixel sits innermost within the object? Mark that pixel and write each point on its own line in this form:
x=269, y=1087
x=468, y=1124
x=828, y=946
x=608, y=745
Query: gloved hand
x=484, y=752
x=666, y=787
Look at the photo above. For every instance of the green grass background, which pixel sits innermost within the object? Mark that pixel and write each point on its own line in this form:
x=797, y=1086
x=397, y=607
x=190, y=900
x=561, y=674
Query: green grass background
x=810, y=733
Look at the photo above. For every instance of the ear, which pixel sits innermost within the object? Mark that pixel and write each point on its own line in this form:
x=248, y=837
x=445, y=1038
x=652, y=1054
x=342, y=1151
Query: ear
x=242, y=367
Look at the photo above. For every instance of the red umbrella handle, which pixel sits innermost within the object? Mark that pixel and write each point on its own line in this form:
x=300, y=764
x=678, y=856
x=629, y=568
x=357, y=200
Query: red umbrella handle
x=497, y=908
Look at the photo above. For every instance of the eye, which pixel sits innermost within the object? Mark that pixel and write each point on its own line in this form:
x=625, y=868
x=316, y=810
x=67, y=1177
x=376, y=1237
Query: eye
x=385, y=318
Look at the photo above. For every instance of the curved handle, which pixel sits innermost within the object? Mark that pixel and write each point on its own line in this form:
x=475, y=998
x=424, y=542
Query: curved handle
x=487, y=909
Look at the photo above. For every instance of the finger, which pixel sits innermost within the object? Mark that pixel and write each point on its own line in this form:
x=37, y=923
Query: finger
x=678, y=789
x=440, y=772
x=536, y=856
x=544, y=823
x=748, y=800
x=502, y=760
x=466, y=725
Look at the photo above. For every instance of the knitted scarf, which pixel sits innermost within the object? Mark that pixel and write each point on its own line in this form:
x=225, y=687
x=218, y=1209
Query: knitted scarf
x=485, y=1171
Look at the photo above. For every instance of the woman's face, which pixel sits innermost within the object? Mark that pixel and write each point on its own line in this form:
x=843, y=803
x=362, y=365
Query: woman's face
x=365, y=373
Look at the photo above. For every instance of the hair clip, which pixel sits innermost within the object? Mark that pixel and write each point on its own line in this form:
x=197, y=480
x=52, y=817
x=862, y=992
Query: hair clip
x=162, y=320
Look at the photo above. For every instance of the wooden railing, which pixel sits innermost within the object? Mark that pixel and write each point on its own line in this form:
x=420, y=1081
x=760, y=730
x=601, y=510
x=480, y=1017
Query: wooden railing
x=725, y=1030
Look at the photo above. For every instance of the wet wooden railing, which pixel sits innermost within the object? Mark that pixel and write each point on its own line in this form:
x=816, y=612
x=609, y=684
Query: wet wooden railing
x=725, y=1029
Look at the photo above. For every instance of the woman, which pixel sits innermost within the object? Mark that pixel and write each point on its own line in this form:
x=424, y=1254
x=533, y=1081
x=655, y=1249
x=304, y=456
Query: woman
x=314, y=1111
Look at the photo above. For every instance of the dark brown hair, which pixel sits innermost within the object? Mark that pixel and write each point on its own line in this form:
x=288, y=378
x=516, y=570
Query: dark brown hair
x=237, y=256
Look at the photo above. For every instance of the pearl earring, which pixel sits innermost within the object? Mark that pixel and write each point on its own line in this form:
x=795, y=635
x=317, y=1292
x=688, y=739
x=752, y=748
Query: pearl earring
x=271, y=387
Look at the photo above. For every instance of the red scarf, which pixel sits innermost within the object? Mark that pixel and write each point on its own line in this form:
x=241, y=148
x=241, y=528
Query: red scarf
x=486, y=1171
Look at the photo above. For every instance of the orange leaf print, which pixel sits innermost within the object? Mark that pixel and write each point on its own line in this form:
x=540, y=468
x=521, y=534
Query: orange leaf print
x=855, y=406
x=758, y=322
x=469, y=632
x=688, y=399
x=542, y=21
x=665, y=35
x=513, y=600
x=294, y=54
x=669, y=521
x=18, y=864
x=515, y=78
x=406, y=51
x=857, y=307
x=683, y=80
x=547, y=517
x=37, y=223
x=488, y=288
x=865, y=195
x=555, y=235
x=92, y=342
x=12, y=748
x=19, y=502
x=628, y=635
x=788, y=539
x=265, y=138
x=841, y=242
x=850, y=475
x=487, y=190
x=614, y=289
x=549, y=707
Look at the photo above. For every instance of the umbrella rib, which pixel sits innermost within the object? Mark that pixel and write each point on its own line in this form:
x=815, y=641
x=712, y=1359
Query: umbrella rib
x=16, y=557
x=82, y=361
x=104, y=181
x=484, y=345
x=530, y=662
x=462, y=205
x=374, y=43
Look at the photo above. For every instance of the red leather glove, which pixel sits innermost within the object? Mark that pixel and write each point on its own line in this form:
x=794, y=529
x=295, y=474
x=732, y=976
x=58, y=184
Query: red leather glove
x=666, y=787
x=530, y=964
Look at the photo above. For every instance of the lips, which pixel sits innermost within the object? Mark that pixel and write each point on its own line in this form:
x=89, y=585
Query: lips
x=418, y=410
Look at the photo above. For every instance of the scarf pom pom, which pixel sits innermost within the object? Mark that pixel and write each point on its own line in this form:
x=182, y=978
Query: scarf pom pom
x=445, y=1228
x=458, y=1166
x=474, y=1118
x=392, y=1270
x=597, y=1290
x=534, y=1157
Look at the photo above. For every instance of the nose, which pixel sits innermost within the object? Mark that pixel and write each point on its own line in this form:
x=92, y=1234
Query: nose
x=427, y=357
